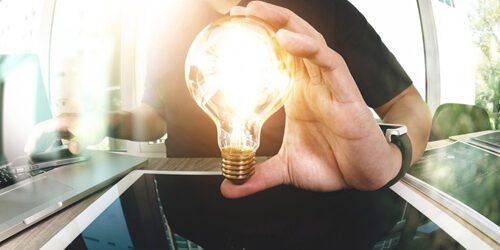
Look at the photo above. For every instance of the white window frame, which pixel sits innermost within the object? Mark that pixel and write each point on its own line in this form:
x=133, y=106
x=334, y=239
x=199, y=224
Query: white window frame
x=431, y=55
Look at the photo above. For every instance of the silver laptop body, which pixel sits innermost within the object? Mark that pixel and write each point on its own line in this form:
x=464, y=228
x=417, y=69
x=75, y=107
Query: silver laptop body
x=27, y=202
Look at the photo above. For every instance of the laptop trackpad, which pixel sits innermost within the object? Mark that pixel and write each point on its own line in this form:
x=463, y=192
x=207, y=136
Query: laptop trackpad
x=29, y=196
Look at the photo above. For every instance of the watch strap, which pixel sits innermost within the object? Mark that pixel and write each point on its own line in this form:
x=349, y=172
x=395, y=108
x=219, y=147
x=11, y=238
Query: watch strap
x=402, y=141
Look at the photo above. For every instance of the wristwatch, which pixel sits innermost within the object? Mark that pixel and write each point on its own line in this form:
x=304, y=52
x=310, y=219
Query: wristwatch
x=398, y=134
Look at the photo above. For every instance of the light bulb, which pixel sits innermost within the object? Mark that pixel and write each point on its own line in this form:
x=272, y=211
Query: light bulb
x=239, y=75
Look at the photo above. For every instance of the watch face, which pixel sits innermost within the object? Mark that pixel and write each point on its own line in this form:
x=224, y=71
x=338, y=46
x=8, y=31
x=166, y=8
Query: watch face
x=391, y=126
x=391, y=130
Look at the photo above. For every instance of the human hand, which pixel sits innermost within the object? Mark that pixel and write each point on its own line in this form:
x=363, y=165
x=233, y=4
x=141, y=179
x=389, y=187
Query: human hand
x=331, y=139
x=67, y=128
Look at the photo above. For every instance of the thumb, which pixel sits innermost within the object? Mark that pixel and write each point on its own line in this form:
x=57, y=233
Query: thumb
x=269, y=173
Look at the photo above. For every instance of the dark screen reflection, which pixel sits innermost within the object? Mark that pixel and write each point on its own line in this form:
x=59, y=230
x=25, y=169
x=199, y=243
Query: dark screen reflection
x=188, y=212
x=280, y=218
x=133, y=221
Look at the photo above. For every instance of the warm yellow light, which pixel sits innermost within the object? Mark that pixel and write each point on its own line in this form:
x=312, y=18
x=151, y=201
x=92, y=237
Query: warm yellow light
x=239, y=75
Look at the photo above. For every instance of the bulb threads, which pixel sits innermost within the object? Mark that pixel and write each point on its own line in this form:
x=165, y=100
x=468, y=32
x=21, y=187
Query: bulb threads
x=238, y=164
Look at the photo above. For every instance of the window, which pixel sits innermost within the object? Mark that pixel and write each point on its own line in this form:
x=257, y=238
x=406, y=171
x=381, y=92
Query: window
x=20, y=25
x=468, y=40
x=25, y=28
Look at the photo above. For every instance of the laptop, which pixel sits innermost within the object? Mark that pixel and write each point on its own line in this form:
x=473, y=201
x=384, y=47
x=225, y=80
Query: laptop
x=30, y=191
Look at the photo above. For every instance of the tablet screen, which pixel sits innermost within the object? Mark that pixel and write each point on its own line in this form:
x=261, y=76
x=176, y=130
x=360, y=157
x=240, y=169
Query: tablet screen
x=166, y=211
x=466, y=173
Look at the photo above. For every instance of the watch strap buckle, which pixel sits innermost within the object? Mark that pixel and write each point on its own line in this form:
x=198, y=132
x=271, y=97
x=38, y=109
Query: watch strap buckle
x=401, y=130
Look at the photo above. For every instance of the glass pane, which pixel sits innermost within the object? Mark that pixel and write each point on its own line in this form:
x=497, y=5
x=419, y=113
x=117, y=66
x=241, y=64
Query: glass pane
x=468, y=32
x=19, y=26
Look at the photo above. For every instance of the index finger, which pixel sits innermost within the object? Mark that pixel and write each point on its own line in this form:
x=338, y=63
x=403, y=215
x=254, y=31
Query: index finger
x=282, y=18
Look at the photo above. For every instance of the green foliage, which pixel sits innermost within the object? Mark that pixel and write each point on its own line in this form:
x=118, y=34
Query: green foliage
x=485, y=26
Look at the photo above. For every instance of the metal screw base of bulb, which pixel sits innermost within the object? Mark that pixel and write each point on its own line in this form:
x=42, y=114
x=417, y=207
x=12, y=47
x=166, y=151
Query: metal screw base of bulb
x=238, y=164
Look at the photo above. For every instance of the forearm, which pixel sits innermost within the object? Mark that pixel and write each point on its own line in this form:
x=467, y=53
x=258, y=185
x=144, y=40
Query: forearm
x=140, y=124
x=412, y=111
x=385, y=159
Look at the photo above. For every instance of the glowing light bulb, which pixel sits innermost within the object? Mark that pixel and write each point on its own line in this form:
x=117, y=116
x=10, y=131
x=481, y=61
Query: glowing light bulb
x=239, y=75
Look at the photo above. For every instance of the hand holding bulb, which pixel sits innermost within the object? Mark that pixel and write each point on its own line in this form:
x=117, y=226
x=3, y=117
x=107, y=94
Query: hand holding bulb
x=331, y=139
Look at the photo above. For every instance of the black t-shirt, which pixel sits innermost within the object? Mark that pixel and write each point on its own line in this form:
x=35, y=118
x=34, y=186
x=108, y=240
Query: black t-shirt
x=191, y=133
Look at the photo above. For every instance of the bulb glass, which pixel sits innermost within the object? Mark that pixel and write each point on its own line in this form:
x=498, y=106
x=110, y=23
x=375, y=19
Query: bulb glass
x=239, y=75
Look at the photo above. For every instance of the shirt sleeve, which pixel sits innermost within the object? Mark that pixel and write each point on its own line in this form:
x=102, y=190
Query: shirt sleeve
x=375, y=69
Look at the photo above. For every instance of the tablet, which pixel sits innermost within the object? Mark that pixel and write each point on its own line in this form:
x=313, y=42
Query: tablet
x=465, y=179
x=185, y=210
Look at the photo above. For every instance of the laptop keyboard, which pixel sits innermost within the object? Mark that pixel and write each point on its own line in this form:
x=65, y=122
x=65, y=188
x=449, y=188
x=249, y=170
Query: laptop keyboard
x=9, y=176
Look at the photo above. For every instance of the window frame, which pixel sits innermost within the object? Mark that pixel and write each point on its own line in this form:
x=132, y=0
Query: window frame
x=431, y=54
